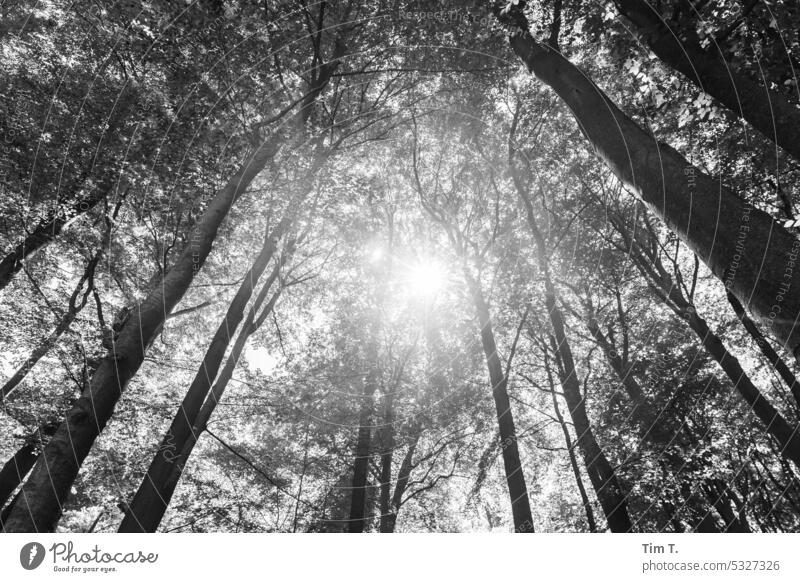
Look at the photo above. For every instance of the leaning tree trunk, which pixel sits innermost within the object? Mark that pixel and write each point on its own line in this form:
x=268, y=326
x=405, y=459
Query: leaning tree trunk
x=100, y=187
x=786, y=435
x=573, y=461
x=64, y=323
x=777, y=362
x=38, y=506
x=768, y=111
x=741, y=244
x=15, y=469
x=515, y=477
x=150, y=502
x=403, y=477
x=661, y=282
x=601, y=473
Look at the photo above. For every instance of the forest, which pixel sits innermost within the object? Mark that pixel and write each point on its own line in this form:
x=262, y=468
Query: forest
x=374, y=266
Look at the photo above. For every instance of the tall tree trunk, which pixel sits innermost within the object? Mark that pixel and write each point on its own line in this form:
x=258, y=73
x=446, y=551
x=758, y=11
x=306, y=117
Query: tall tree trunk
x=358, y=492
x=65, y=321
x=737, y=242
x=573, y=461
x=645, y=256
x=786, y=435
x=601, y=473
x=515, y=477
x=38, y=506
x=387, y=454
x=15, y=469
x=151, y=500
x=679, y=46
x=651, y=426
x=778, y=364
x=48, y=230
x=97, y=174
x=403, y=477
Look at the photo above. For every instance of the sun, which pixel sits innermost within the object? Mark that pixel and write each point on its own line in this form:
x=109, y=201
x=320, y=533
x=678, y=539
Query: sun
x=426, y=278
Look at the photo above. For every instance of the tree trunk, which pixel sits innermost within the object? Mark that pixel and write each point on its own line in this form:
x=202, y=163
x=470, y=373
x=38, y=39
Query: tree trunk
x=740, y=244
x=403, y=477
x=358, y=492
x=38, y=506
x=47, y=230
x=387, y=454
x=587, y=505
x=151, y=500
x=647, y=260
x=515, y=478
x=15, y=469
x=787, y=437
x=64, y=323
x=601, y=473
x=678, y=46
x=778, y=364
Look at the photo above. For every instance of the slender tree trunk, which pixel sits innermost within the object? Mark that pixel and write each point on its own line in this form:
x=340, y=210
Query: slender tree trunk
x=358, y=492
x=679, y=46
x=65, y=321
x=18, y=466
x=403, y=477
x=515, y=477
x=787, y=436
x=387, y=454
x=778, y=364
x=587, y=505
x=646, y=258
x=737, y=242
x=38, y=507
x=48, y=229
x=151, y=500
x=601, y=473
x=652, y=428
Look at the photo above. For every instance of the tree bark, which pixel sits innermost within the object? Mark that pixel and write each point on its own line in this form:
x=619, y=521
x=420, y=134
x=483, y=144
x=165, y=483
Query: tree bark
x=48, y=230
x=515, y=477
x=358, y=493
x=573, y=461
x=601, y=473
x=65, y=321
x=403, y=477
x=778, y=364
x=18, y=466
x=38, y=507
x=739, y=243
x=679, y=46
x=151, y=500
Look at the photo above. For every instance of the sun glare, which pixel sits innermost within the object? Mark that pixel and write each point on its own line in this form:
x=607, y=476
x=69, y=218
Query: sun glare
x=426, y=278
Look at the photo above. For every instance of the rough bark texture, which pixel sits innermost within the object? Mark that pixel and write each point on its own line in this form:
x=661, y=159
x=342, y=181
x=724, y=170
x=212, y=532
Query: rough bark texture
x=515, y=478
x=679, y=46
x=740, y=244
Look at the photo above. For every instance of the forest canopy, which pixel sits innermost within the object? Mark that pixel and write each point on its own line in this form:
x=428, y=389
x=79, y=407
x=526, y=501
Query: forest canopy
x=367, y=266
